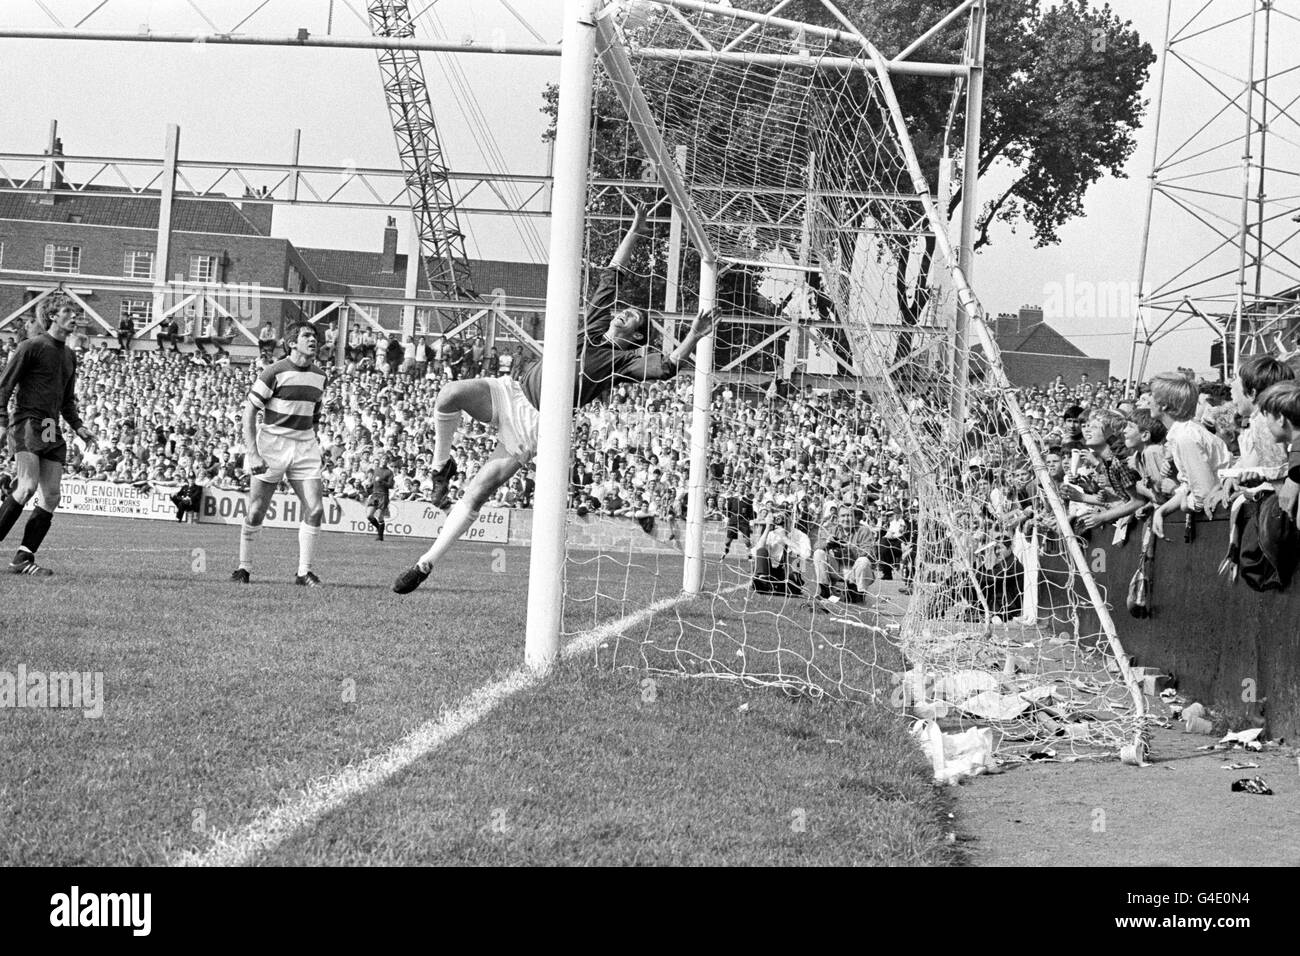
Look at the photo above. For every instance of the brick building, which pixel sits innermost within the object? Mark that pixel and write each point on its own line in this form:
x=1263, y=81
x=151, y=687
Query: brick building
x=1034, y=353
x=383, y=274
x=90, y=238
x=223, y=253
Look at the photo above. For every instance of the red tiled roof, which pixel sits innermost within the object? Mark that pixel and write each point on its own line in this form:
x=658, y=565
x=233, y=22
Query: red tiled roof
x=1039, y=338
x=518, y=280
x=135, y=212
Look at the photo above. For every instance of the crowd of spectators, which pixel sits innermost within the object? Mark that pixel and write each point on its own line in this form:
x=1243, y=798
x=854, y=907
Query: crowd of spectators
x=803, y=471
x=164, y=419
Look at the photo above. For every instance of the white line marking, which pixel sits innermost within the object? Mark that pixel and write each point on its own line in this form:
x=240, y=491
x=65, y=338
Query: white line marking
x=273, y=826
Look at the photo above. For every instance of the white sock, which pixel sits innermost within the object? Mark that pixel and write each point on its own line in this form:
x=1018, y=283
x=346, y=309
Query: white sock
x=445, y=425
x=459, y=520
x=307, y=536
x=247, y=532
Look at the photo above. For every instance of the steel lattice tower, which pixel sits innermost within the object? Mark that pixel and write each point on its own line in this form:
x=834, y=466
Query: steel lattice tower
x=442, y=243
x=1226, y=251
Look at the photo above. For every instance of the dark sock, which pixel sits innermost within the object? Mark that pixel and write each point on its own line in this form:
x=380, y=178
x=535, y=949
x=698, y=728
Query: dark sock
x=9, y=512
x=38, y=525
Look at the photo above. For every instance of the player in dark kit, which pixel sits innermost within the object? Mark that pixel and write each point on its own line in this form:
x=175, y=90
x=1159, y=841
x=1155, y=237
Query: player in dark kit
x=43, y=370
x=381, y=486
x=610, y=350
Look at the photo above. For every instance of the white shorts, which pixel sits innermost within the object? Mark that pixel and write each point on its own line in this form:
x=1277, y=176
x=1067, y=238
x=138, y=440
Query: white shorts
x=514, y=418
x=293, y=458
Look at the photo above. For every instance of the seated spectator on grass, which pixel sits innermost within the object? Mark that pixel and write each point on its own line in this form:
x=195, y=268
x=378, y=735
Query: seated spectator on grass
x=187, y=497
x=843, y=558
x=778, y=567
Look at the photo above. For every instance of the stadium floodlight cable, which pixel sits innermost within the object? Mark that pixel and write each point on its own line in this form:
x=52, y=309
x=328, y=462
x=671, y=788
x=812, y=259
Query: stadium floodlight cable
x=481, y=131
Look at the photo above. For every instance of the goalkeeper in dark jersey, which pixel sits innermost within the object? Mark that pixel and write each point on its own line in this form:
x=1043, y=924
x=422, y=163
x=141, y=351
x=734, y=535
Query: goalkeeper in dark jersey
x=611, y=349
x=43, y=372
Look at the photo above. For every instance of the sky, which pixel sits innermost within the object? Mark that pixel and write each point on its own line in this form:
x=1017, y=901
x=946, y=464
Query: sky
x=242, y=103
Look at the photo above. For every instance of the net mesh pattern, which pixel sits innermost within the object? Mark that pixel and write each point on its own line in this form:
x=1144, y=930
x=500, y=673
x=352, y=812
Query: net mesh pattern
x=863, y=543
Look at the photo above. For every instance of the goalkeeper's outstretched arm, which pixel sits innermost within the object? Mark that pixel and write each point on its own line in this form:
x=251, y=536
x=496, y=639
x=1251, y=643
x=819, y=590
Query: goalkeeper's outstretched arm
x=686, y=347
x=623, y=254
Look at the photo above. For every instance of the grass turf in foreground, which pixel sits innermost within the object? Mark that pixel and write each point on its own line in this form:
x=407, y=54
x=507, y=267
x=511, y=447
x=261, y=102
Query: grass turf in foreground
x=219, y=698
x=595, y=767
x=222, y=700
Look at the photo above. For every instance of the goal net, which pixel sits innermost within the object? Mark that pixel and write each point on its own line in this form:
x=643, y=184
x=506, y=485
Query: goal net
x=882, y=523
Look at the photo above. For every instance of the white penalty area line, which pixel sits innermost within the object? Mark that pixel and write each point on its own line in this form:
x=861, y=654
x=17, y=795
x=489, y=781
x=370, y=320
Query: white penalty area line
x=273, y=826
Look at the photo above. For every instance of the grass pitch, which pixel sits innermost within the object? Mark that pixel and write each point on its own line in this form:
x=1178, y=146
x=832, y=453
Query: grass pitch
x=223, y=700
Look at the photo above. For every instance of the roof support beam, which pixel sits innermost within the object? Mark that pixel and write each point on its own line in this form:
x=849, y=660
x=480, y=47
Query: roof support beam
x=443, y=46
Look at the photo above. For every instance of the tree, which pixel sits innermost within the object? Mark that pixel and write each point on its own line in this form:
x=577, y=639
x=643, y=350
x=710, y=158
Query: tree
x=1062, y=97
x=1062, y=103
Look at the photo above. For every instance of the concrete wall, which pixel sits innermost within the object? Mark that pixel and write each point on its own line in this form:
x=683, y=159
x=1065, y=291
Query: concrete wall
x=1229, y=647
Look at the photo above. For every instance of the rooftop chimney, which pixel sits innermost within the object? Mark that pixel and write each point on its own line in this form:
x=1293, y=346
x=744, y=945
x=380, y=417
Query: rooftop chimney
x=1030, y=316
x=257, y=213
x=388, y=261
x=53, y=174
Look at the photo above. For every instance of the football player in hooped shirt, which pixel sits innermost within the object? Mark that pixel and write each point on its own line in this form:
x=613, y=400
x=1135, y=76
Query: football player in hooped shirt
x=288, y=395
x=611, y=349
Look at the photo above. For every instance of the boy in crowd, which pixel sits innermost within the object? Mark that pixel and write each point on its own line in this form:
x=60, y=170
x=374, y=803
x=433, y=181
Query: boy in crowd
x=1260, y=452
x=1117, y=496
x=1197, y=454
x=1144, y=437
x=1280, y=406
x=1071, y=433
